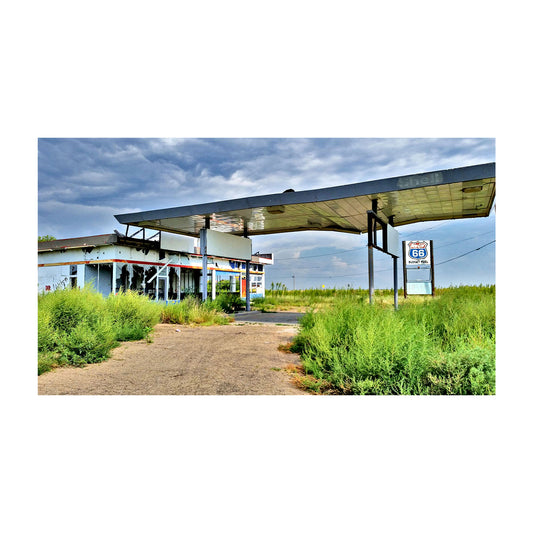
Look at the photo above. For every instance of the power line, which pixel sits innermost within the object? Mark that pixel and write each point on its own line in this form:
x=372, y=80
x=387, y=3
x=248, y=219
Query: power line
x=462, y=255
x=467, y=239
x=352, y=275
x=357, y=248
x=366, y=247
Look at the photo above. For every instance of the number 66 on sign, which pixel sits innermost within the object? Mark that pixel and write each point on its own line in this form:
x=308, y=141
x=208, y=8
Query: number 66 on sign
x=417, y=253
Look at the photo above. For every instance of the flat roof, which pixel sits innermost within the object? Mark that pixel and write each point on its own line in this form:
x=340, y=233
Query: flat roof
x=463, y=192
x=77, y=242
x=109, y=239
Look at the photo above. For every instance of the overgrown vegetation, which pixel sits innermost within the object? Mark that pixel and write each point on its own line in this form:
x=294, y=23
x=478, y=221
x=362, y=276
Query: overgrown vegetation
x=80, y=326
x=191, y=311
x=441, y=345
x=281, y=299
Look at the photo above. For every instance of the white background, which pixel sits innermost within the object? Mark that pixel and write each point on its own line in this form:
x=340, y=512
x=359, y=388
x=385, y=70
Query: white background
x=242, y=464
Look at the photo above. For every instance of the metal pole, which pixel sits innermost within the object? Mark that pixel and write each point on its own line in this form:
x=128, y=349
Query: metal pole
x=247, y=285
x=370, y=274
x=395, y=270
x=404, y=271
x=395, y=274
x=432, y=269
x=370, y=258
x=245, y=234
x=203, y=251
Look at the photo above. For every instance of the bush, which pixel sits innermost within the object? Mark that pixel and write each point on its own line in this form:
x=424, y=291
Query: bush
x=88, y=343
x=132, y=315
x=229, y=302
x=79, y=326
x=444, y=345
x=190, y=311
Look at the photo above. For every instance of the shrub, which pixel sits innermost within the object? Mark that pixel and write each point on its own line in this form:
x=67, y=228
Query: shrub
x=79, y=326
x=229, y=302
x=69, y=307
x=88, y=343
x=444, y=345
x=132, y=315
x=190, y=311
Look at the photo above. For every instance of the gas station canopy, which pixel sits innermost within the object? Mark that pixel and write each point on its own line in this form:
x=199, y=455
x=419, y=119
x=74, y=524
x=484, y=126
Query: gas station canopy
x=463, y=192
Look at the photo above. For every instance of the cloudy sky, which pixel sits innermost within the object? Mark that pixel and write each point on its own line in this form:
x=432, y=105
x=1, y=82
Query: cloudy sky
x=83, y=183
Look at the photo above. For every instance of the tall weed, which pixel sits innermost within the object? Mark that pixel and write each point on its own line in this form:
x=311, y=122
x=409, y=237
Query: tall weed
x=190, y=311
x=79, y=326
x=132, y=315
x=434, y=346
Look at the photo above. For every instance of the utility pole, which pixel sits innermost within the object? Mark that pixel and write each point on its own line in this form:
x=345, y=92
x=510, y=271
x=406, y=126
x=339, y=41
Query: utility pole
x=293, y=282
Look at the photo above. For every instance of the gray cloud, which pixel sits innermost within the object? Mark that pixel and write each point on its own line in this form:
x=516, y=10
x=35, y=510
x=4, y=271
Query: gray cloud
x=84, y=182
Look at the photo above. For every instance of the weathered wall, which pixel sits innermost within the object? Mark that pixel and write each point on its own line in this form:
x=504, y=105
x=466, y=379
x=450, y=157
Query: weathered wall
x=132, y=268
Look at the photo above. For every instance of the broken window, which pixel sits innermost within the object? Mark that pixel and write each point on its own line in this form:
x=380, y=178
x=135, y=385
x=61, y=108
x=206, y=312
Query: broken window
x=73, y=276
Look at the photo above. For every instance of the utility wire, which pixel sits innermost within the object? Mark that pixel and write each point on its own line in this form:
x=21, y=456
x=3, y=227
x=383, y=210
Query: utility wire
x=462, y=255
x=352, y=275
x=357, y=248
x=366, y=247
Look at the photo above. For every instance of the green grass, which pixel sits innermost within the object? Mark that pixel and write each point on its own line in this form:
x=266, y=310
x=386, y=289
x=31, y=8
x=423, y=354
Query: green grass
x=281, y=300
x=441, y=345
x=191, y=311
x=80, y=326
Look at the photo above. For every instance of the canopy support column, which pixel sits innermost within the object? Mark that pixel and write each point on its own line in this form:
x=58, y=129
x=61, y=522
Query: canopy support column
x=203, y=251
x=371, y=240
x=245, y=234
x=395, y=270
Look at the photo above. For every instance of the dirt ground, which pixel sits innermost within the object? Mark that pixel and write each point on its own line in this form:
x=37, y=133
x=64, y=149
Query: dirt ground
x=233, y=359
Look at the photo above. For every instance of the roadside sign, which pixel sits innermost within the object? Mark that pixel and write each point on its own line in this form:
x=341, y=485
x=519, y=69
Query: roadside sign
x=417, y=253
x=418, y=268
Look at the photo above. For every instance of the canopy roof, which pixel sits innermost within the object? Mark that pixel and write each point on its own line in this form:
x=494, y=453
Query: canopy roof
x=463, y=192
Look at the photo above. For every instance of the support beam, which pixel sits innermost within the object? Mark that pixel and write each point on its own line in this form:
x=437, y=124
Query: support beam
x=245, y=234
x=395, y=270
x=395, y=274
x=404, y=272
x=371, y=241
x=247, y=285
x=213, y=284
x=370, y=273
x=432, y=268
x=203, y=251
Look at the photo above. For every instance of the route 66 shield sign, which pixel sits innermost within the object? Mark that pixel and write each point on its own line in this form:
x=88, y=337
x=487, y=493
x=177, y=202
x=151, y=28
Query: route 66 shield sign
x=417, y=253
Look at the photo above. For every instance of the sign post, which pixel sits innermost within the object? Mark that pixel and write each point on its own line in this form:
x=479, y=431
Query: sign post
x=418, y=267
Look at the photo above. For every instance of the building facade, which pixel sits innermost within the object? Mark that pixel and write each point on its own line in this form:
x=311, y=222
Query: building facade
x=166, y=267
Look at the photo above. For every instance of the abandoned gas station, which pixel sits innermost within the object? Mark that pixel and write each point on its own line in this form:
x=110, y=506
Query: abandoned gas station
x=374, y=207
x=162, y=266
x=196, y=243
